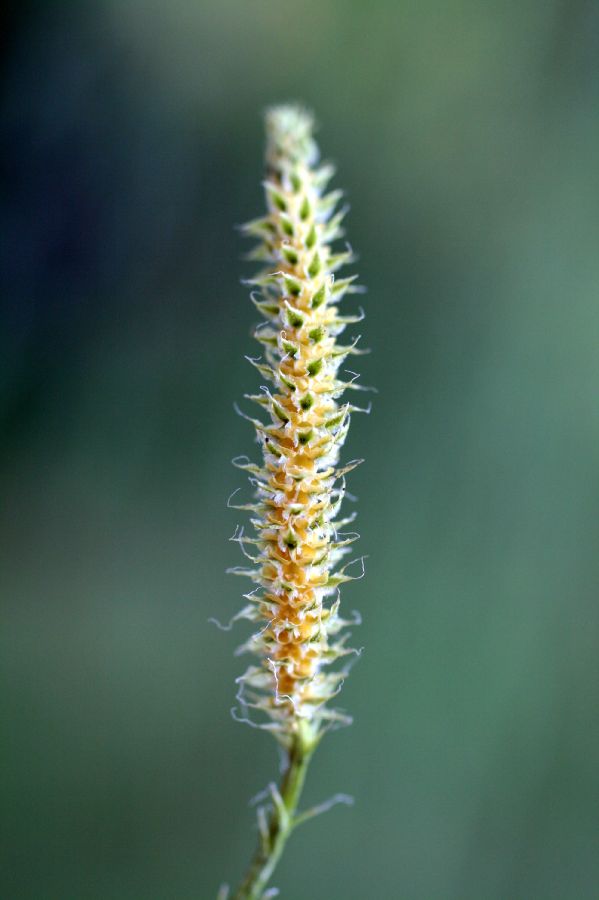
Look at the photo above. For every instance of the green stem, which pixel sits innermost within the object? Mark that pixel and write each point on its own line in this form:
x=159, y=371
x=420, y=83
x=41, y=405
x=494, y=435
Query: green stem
x=282, y=821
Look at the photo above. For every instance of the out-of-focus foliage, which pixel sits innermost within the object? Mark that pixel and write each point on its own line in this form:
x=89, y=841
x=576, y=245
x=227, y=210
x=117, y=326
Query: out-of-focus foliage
x=467, y=136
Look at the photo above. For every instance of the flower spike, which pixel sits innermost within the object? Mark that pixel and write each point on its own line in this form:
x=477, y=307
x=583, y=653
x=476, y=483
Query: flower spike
x=297, y=545
x=305, y=427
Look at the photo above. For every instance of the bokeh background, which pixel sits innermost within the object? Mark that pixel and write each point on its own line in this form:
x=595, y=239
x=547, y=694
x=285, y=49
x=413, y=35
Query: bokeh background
x=467, y=136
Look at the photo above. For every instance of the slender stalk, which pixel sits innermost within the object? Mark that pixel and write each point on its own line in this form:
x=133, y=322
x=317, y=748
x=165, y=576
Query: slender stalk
x=282, y=821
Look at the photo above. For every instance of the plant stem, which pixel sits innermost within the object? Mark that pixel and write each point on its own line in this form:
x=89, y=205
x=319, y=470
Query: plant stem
x=282, y=821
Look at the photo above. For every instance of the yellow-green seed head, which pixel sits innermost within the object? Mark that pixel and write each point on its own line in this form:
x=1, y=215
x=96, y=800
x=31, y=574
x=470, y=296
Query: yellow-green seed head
x=297, y=542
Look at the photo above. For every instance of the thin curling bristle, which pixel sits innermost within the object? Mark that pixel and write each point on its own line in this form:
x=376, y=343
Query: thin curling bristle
x=295, y=549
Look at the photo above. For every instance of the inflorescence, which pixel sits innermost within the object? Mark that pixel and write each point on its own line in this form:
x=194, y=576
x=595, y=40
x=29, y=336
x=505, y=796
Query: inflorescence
x=298, y=538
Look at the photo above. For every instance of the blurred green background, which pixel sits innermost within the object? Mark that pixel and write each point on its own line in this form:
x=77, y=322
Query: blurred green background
x=467, y=137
